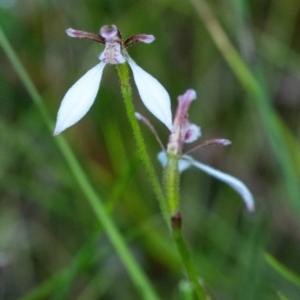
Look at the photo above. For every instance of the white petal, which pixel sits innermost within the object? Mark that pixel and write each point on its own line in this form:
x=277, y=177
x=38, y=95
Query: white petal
x=235, y=183
x=183, y=164
x=153, y=94
x=79, y=98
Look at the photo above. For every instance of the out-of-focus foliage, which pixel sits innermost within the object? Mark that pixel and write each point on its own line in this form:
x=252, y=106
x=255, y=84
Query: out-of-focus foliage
x=52, y=246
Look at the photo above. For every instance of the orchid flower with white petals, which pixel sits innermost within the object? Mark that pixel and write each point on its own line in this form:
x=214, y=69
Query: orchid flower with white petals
x=185, y=132
x=80, y=97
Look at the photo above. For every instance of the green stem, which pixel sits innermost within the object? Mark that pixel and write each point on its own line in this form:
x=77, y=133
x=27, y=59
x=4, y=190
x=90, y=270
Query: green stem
x=123, y=73
x=185, y=256
x=136, y=273
x=171, y=176
x=171, y=181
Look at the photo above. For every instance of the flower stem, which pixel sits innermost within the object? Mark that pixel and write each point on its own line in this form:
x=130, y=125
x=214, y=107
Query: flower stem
x=123, y=73
x=171, y=177
x=185, y=256
x=171, y=181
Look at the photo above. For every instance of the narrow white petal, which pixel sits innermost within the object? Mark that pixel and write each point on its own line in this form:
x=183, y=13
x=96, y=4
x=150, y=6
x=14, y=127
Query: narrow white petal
x=79, y=98
x=235, y=183
x=183, y=164
x=153, y=94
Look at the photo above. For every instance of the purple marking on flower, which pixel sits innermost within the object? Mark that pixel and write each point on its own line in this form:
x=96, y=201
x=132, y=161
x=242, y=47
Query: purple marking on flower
x=112, y=53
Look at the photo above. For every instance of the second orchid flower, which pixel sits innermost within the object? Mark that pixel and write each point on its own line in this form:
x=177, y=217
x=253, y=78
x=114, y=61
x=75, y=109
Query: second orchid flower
x=186, y=132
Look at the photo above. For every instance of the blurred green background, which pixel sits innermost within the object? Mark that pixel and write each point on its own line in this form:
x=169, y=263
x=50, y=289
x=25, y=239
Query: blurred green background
x=51, y=244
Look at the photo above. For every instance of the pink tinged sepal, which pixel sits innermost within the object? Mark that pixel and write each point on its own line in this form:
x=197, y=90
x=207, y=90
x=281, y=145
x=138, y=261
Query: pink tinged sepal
x=153, y=94
x=72, y=32
x=144, y=38
x=79, y=99
x=184, y=102
x=235, y=183
x=85, y=35
x=223, y=142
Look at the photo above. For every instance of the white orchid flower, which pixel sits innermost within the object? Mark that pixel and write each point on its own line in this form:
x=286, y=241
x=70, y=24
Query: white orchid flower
x=80, y=97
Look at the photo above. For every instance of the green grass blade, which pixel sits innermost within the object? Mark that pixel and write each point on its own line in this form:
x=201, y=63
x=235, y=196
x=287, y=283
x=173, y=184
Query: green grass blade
x=282, y=270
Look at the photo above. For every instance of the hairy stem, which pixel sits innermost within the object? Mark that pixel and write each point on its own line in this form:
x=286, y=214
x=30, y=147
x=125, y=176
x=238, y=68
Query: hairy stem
x=123, y=73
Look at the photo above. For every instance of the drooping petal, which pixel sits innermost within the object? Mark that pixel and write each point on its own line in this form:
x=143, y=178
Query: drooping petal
x=79, y=98
x=235, y=183
x=153, y=94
